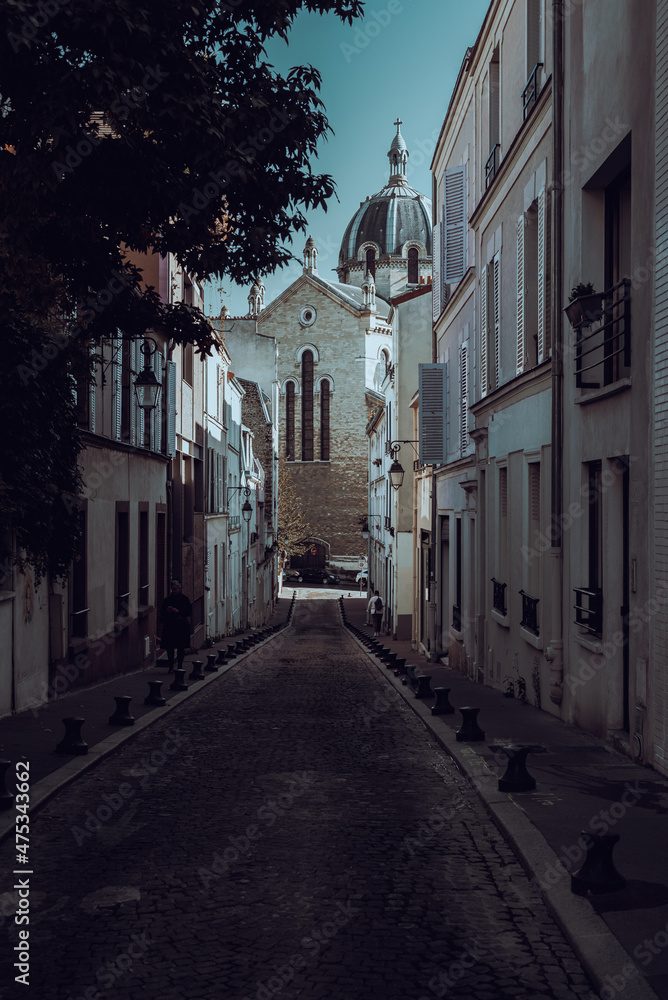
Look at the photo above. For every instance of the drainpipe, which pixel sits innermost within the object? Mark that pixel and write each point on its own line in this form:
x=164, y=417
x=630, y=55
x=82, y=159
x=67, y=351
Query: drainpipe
x=554, y=651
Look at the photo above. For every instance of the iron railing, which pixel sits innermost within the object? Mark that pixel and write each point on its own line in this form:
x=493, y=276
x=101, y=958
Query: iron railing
x=604, y=352
x=531, y=92
x=530, y=613
x=589, y=610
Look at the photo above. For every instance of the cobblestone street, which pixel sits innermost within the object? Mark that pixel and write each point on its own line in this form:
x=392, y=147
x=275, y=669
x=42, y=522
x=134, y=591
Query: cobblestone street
x=293, y=832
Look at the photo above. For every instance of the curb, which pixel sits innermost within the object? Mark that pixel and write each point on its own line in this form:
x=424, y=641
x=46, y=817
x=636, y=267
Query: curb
x=597, y=948
x=47, y=787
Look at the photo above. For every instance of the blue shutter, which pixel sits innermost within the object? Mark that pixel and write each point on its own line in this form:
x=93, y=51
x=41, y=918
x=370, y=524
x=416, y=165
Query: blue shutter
x=454, y=216
x=436, y=271
x=432, y=390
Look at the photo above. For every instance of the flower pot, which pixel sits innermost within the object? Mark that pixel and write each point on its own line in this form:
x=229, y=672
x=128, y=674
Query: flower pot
x=585, y=310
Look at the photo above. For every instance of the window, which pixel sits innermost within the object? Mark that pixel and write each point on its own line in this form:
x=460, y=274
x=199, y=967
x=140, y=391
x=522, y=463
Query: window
x=490, y=325
x=371, y=261
x=160, y=556
x=500, y=585
x=122, y=561
x=457, y=608
x=533, y=581
x=188, y=366
x=589, y=599
x=307, y=406
x=324, y=420
x=454, y=225
x=493, y=118
x=290, y=421
x=79, y=582
x=143, y=559
x=413, y=266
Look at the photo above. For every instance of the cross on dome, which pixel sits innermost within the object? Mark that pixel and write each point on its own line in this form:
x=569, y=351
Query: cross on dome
x=398, y=156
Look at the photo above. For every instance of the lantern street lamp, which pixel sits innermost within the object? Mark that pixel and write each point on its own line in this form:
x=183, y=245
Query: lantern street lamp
x=147, y=387
x=396, y=470
x=247, y=509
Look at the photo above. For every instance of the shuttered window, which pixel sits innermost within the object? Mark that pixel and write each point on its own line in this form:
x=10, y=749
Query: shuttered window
x=171, y=409
x=496, y=302
x=484, y=330
x=432, y=390
x=117, y=369
x=454, y=222
x=543, y=276
x=463, y=398
x=436, y=267
x=521, y=297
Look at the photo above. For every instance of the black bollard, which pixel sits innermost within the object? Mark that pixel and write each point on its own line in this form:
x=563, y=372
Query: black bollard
x=232, y=650
x=598, y=873
x=179, y=682
x=470, y=731
x=442, y=704
x=6, y=797
x=196, y=672
x=211, y=663
x=121, y=716
x=400, y=666
x=72, y=742
x=517, y=778
x=222, y=656
x=423, y=689
x=410, y=674
x=155, y=695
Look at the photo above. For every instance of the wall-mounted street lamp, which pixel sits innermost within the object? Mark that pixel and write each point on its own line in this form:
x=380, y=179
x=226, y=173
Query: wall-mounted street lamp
x=147, y=387
x=396, y=471
x=247, y=509
x=365, y=526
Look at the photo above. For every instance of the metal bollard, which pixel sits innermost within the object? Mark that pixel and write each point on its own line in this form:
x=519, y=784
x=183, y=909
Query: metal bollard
x=72, y=742
x=470, y=731
x=410, y=674
x=423, y=689
x=155, y=695
x=121, y=716
x=222, y=656
x=211, y=663
x=442, y=704
x=179, y=682
x=598, y=873
x=517, y=778
x=196, y=672
x=6, y=797
x=232, y=650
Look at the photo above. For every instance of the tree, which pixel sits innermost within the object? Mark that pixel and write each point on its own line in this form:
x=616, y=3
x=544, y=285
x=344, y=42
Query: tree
x=135, y=126
x=293, y=529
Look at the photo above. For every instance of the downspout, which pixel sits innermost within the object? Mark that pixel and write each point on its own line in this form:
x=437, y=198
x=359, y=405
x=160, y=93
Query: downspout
x=554, y=652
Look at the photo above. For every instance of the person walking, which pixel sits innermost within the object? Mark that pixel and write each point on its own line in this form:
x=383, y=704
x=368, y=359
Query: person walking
x=375, y=609
x=175, y=620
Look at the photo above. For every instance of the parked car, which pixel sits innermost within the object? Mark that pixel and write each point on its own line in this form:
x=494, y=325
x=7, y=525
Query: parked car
x=292, y=576
x=320, y=576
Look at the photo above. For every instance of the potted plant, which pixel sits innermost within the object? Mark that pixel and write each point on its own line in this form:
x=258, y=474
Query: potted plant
x=585, y=305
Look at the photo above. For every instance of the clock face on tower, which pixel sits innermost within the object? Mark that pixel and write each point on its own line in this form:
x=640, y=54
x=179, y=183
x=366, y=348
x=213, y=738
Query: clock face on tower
x=307, y=316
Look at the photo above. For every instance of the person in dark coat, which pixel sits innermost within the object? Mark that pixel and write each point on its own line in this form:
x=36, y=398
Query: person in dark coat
x=175, y=620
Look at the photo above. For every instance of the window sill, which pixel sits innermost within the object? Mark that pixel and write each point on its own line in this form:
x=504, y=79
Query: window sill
x=456, y=634
x=533, y=640
x=6, y=595
x=592, y=644
x=500, y=619
x=144, y=610
x=606, y=390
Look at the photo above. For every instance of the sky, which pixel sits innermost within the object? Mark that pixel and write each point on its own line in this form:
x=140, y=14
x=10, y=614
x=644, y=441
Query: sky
x=402, y=59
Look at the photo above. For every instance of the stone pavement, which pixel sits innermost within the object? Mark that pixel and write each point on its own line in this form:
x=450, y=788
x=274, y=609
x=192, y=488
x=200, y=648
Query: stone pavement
x=274, y=836
x=310, y=716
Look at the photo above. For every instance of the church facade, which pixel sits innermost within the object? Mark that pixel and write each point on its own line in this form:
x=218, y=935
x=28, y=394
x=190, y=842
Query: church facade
x=335, y=346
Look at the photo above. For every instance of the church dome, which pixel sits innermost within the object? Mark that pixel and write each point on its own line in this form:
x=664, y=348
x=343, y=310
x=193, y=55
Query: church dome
x=395, y=216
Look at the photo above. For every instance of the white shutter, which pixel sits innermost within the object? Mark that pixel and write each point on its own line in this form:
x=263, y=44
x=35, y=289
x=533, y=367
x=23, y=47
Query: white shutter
x=521, y=295
x=496, y=264
x=436, y=271
x=464, y=397
x=92, y=393
x=484, y=329
x=171, y=409
x=117, y=366
x=454, y=221
x=432, y=389
x=542, y=268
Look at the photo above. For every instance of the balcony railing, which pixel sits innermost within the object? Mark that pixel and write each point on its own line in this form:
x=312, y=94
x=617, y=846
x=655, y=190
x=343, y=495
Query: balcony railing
x=589, y=610
x=530, y=613
x=499, y=596
x=492, y=165
x=603, y=353
x=531, y=91
x=456, y=618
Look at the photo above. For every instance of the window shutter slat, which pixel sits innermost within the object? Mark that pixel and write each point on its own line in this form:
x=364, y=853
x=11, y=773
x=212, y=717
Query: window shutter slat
x=542, y=261
x=436, y=269
x=464, y=398
x=432, y=389
x=91, y=394
x=521, y=295
x=118, y=386
x=497, y=319
x=454, y=213
x=171, y=409
x=484, y=329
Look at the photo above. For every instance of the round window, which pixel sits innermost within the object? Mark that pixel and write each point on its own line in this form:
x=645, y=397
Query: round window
x=307, y=316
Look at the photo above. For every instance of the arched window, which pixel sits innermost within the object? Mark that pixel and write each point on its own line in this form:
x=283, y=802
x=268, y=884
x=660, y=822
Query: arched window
x=371, y=261
x=413, y=267
x=290, y=421
x=307, y=406
x=324, y=420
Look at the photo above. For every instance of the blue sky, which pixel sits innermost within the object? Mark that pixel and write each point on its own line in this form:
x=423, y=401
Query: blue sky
x=401, y=60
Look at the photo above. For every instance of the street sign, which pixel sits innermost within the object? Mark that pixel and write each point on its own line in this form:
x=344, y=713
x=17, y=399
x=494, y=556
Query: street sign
x=361, y=562
x=314, y=551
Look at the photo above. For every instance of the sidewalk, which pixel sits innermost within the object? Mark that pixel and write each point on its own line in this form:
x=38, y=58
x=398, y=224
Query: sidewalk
x=33, y=735
x=581, y=785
